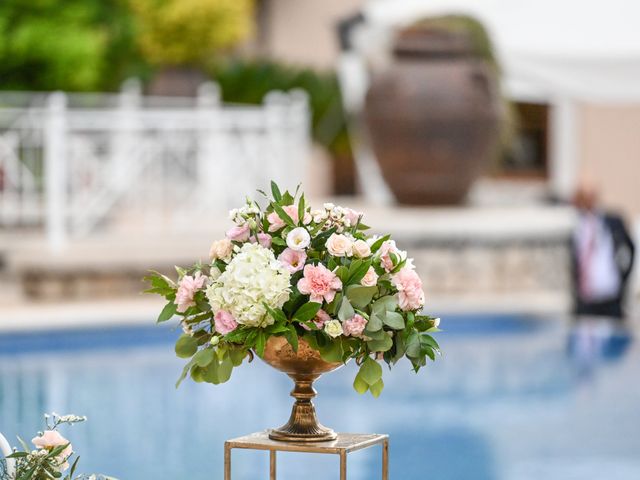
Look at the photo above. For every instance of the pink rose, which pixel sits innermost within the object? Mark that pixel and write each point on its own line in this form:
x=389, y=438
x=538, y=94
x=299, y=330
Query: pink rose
x=239, y=234
x=354, y=326
x=319, y=283
x=409, y=285
x=51, y=439
x=293, y=260
x=187, y=288
x=225, y=322
x=276, y=223
x=384, y=253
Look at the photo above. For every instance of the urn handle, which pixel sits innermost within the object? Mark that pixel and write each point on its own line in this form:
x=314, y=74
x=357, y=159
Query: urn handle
x=5, y=448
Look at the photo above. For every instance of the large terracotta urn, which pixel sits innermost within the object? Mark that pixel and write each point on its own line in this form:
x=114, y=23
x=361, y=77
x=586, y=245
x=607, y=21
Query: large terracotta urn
x=433, y=116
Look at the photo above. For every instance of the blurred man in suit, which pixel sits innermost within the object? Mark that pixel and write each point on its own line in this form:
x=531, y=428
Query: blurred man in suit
x=603, y=255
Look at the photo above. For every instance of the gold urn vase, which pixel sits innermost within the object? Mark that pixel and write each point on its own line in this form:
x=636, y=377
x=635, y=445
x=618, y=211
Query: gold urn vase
x=304, y=367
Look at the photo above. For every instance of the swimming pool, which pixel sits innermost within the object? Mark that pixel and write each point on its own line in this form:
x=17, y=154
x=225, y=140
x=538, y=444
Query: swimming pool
x=514, y=397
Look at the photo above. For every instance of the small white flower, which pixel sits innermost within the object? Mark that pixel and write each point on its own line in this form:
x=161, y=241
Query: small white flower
x=333, y=328
x=298, y=239
x=328, y=206
x=436, y=322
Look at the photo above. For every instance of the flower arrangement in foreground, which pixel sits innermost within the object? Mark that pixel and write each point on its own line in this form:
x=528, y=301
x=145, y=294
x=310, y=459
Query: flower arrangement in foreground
x=50, y=459
x=291, y=271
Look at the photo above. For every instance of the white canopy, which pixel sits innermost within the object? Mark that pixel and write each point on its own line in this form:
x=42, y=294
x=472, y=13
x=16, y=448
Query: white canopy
x=586, y=50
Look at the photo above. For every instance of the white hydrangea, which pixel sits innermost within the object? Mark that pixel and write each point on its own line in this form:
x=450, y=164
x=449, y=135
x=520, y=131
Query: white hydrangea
x=254, y=277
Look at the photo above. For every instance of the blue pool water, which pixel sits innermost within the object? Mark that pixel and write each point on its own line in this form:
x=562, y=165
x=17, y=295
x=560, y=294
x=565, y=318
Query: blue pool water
x=512, y=398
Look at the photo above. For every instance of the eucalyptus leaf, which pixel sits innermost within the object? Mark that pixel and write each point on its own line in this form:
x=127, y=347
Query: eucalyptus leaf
x=381, y=345
x=346, y=311
x=186, y=346
x=360, y=385
x=204, y=357
x=360, y=296
x=370, y=371
x=393, y=320
x=376, y=388
x=374, y=324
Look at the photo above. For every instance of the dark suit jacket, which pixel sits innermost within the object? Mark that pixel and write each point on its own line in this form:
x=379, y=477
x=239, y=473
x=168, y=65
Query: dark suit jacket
x=624, y=251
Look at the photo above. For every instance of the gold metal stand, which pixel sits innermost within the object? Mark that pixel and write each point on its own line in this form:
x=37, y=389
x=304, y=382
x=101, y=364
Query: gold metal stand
x=344, y=444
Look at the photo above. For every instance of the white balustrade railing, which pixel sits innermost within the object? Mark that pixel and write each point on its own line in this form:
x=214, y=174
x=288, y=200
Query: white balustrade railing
x=72, y=162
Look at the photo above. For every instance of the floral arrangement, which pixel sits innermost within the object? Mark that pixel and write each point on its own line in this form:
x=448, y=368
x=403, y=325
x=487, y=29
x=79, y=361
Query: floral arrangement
x=50, y=459
x=289, y=270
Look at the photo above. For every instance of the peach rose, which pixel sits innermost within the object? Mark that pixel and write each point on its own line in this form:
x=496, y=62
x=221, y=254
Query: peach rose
x=221, y=250
x=361, y=249
x=370, y=278
x=339, y=245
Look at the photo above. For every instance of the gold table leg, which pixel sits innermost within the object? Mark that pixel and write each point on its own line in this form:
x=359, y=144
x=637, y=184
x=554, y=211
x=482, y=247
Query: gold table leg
x=343, y=465
x=272, y=465
x=385, y=460
x=227, y=462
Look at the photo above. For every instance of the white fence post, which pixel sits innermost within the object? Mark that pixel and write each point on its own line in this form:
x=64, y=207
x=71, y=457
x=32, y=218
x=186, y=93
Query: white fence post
x=55, y=162
x=214, y=169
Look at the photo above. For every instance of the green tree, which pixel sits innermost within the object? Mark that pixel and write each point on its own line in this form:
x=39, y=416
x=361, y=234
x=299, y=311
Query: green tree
x=66, y=44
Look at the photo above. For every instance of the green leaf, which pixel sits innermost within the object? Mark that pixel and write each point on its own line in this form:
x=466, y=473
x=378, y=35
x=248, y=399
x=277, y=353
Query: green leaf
x=204, y=357
x=307, y=311
x=184, y=373
x=360, y=296
x=429, y=340
x=357, y=270
x=393, y=320
x=376, y=388
x=332, y=351
x=261, y=341
x=400, y=348
x=413, y=346
x=283, y=215
x=374, y=324
x=167, y=312
x=343, y=274
x=277, y=314
x=224, y=370
x=237, y=356
x=292, y=337
x=318, y=243
x=346, y=310
x=378, y=243
x=301, y=207
x=381, y=345
x=360, y=385
x=275, y=191
x=388, y=303
x=278, y=241
x=370, y=371
x=186, y=346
